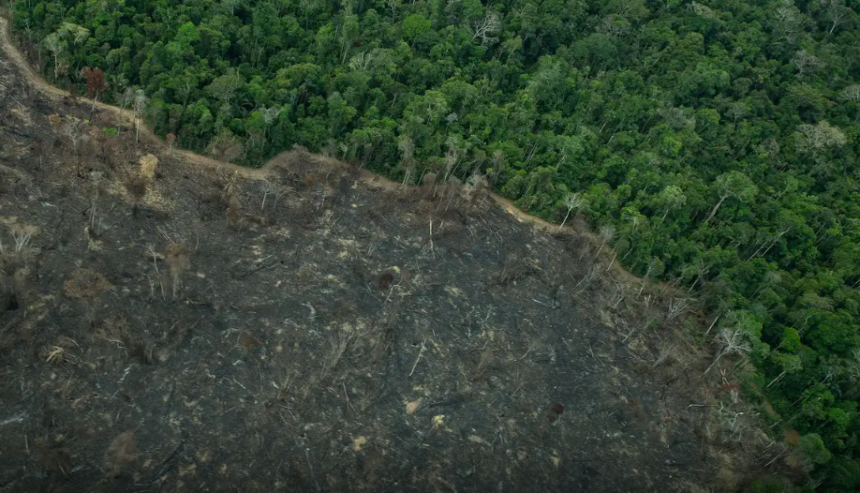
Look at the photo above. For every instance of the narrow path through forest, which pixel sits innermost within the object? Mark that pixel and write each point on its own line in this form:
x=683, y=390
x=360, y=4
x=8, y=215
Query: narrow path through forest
x=263, y=172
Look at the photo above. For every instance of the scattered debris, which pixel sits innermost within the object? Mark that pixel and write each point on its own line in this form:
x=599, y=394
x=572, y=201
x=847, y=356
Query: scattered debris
x=413, y=406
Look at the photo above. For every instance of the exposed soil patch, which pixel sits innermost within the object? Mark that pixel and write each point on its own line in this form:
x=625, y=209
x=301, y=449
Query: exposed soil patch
x=177, y=327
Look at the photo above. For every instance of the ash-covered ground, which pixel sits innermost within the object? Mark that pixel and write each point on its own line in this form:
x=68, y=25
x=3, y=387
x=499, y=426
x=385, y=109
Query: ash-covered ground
x=170, y=326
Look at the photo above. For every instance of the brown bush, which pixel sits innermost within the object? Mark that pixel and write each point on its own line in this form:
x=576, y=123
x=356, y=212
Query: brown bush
x=148, y=164
x=120, y=453
x=235, y=216
x=136, y=187
x=178, y=260
x=87, y=286
x=385, y=281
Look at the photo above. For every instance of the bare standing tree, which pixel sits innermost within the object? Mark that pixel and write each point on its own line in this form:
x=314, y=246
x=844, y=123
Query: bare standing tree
x=572, y=201
x=70, y=33
x=407, y=158
x=349, y=32
x=789, y=20
x=854, y=367
x=606, y=232
x=487, y=28
x=139, y=107
x=55, y=45
x=806, y=62
x=270, y=115
x=815, y=139
x=836, y=12
x=125, y=100
x=73, y=128
x=452, y=157
x=96, y=185
x=737, y=111
x=851, y=93
x=269, y=188
x=731, y=340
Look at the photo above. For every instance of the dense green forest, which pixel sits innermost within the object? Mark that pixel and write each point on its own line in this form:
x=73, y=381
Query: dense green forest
x=713, y=144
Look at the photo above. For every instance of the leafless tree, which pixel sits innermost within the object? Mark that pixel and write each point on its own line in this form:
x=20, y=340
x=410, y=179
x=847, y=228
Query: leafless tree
x=732, y=340
x=815, y=139
x=738, y=110
x=225, y=146
x=677, y=306
x=789, y=20
x=806, y=62
x=270, y=115
x=606, y=233
x=270, y=188
x=851, y=93
x=854, y=367
x=73, y=128
x=125, y=101
x=836, y=13
x=95, y=179
x=572, y=201
x=487, y=28
x=613, y=26
x=55, y=45
x=407, y=159
x=702, y=10
x=735, y=424
x=770, y=147
x=139, y=107
x=452, y=156
x=361, y=61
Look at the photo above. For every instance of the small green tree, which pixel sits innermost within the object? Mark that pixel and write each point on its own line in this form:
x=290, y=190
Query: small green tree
x=415, y=25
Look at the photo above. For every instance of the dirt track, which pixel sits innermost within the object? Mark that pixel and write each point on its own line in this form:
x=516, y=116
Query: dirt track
x=266, y=170
x=260, y=173
x=55, y=93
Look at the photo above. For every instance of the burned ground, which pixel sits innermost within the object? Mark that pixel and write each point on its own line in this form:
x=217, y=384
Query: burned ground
x=174, y=327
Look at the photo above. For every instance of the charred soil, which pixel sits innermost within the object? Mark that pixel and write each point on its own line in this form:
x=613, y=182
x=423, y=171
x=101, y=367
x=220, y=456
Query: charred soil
x=169, y=326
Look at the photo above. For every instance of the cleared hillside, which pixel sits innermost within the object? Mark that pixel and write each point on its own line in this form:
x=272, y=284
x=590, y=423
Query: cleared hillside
x=169, y=323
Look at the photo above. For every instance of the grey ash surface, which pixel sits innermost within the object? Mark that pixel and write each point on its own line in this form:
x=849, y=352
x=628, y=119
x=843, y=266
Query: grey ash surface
x=275, y=346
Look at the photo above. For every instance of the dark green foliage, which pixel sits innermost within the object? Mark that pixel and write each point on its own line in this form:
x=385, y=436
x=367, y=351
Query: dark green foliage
x=721, y=142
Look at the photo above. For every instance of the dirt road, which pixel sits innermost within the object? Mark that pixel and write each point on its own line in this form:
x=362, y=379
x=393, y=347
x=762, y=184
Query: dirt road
x=258, y=173
x=266, y=170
